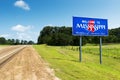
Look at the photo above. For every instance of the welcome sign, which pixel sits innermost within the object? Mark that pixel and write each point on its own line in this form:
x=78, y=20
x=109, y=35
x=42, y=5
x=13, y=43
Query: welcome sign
x=83, y=26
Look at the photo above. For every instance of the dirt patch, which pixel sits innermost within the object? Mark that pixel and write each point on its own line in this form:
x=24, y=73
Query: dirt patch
x=27, y=65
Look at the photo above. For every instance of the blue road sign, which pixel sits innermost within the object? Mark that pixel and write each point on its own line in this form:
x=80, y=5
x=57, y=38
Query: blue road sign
x=89, y=26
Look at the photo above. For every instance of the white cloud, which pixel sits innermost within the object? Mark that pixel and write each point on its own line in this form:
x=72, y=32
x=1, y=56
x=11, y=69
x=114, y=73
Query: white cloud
x=22, y=36
x=22, y=32
x=4, y=35
x=22, y=4
x=21, y=28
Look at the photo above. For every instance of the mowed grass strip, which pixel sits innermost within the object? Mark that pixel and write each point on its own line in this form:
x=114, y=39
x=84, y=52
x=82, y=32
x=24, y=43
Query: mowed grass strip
x=66, y=63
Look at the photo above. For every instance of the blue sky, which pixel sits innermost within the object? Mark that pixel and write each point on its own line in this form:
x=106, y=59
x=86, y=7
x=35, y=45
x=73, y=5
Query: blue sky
x=23, y=19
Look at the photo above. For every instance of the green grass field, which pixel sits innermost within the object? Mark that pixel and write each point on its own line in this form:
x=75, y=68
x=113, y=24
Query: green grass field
x=65, y=62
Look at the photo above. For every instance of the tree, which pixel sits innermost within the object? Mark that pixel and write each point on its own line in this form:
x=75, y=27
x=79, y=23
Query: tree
x=2, y=40
x=59, y=36
x=63, y=36
x=22, y=42
x=95, y=39
x=30, y=42
x=14, y=42
x=17, y=42
x=9, y=42
x=25, y=42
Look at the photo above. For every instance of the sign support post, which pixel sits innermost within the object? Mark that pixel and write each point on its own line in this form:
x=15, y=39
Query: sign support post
x=83, y=26
x=100, y=50
x=80, y=49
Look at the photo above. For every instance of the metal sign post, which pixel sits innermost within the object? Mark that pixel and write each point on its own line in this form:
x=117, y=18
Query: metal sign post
x=80, y=54
x=100, y=50
x=83, y=26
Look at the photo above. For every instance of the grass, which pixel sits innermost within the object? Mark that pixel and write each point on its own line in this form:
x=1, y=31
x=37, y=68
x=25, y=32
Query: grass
x=65, y=62
x=2, y=46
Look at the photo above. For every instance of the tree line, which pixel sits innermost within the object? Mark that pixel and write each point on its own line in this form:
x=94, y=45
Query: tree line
x=61, y=36
x=4, y=41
